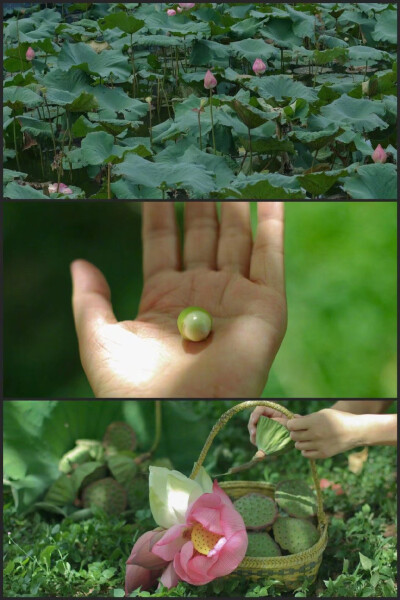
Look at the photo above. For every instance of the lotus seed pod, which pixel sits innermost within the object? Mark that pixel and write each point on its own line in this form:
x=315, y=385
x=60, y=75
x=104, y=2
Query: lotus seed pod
x=261, y=545
x=107, y=494
x=295, y=535
x=258, y=511
x=138, y=492
x=194, y=324
x=119, y=436
x=295, y=497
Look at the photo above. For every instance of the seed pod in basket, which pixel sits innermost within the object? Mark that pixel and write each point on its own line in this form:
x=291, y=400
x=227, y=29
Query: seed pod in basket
x=272, y=438
x=258, y=511
x=295, y=497
x=295, y=535
x=261, y=545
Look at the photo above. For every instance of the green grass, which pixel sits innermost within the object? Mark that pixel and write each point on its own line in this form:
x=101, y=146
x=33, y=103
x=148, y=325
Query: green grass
x=44, y=556
x=341, y=284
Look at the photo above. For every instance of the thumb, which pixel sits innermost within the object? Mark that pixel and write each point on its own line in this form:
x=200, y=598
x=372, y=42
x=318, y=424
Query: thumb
x=91, y=299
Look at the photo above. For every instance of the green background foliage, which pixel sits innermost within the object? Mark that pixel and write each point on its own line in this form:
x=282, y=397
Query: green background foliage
x=341, y=286
x=45, y=555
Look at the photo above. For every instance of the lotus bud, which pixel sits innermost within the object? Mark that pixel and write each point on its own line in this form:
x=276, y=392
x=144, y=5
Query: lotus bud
x=194, y=324
x=179, y=9
x=259, y=67
x=30, y=54
x=171, y=12
x=209, y=81
x=379, y=155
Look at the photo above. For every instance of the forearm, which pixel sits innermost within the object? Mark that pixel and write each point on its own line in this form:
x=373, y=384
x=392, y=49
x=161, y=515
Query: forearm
x=361, y=407
x=377, y=430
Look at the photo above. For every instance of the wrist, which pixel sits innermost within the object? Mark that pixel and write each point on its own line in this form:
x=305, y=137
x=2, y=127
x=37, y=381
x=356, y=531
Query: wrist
x=377, y=430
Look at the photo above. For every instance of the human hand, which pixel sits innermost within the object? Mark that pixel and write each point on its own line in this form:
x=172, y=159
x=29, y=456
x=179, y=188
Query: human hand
x=264, y=411
x=239, y=282
x=325, y=433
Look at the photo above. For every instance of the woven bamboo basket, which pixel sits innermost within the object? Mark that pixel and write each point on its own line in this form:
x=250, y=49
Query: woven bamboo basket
x=290, y=570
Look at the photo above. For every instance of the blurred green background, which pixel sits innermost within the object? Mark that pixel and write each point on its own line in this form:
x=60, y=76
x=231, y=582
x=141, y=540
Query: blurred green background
x=341, y=283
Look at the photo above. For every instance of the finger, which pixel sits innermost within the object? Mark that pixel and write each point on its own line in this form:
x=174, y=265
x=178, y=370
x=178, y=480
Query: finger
x=201, y=235
x=160, y=238
x=305, y=446
x=235, y=242
x=298, y=423
x=267, y=262
x=300, y=436
x=91, y=299
x=311, y=454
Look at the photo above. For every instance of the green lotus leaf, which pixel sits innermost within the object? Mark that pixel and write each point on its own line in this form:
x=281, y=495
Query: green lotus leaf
x=205, y=52
x=386, y=27
x=15, y=191
x=252, y=49
x=35, y=127
x=124, y=22
x=21, y=96
x=144, y=172
x=272, y=437
x=372, y=182
x=81, y=56
x=280, y=87
x=360, y=114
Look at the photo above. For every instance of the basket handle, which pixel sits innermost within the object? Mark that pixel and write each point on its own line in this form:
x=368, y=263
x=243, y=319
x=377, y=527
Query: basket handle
x=222, y=421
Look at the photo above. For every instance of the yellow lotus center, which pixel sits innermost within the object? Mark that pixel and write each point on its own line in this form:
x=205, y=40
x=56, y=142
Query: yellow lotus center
x=203, y=540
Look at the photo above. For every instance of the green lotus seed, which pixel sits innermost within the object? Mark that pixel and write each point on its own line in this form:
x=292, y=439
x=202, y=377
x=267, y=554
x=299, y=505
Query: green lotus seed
x=194, y=324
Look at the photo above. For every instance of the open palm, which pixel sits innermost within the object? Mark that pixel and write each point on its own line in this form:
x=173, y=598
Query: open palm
x=240, y=283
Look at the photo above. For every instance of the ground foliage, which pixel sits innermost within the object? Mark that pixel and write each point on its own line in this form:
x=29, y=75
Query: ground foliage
x=113, y=103
x=47, y=556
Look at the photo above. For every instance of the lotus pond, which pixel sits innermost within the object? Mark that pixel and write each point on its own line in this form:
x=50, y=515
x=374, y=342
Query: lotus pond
x=219, y=100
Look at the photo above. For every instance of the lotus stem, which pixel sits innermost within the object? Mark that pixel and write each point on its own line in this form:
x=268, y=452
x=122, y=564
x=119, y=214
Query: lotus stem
x=15, y=143
x=19, y=45
x=212, y=122
x=51, y=125
x=198, y=116
x=109, y=181
x=251, y=152
x=41, y=158
x=133, y=69
x=157, y=435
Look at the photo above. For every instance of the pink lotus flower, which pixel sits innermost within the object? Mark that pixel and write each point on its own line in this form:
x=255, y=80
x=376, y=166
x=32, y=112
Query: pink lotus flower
x=259, y=67
x=30, y=54
x=209, y=81
x=171, y=12
x=62, y=189
x=211, y=543
x=379, y=155
x=179, y=9
x=187, y=5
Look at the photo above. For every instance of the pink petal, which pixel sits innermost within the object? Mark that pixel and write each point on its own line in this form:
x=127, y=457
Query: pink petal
x=184, y=555
x=206, y=510
x=169, y=578
x=141, y=554
x=230, y=556
x=170, y=543
x=139, y=577
x=220, y=492
x=217, y=548
x=231, y=521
